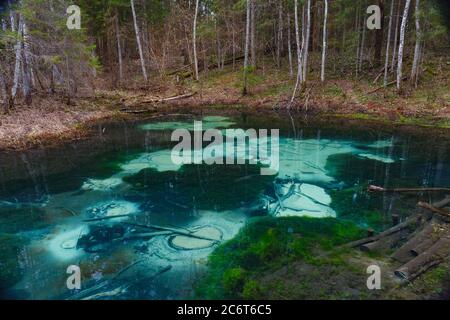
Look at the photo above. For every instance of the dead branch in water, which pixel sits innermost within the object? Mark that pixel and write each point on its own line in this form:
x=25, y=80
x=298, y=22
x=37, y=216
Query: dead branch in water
x=373, y=188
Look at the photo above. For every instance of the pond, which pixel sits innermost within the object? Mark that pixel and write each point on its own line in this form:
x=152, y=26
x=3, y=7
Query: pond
x=140, y=226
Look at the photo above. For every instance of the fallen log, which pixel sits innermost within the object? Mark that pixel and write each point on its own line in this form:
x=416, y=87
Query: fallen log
x=161, y=100
x=405, y=224
x=386, y=242
x=108, y=218
x=373, y=188
x=405, y=252
x=443, y=212
x=387, y=85
x=436, y=254
x=173, y=230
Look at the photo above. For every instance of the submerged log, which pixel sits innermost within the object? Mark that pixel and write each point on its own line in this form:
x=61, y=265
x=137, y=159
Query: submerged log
x=436, y=254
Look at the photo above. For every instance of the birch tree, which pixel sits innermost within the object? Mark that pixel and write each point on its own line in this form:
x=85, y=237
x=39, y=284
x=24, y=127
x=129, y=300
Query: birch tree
x=388, y=43
x=247, y=44
x=119, y=46
x=253, y=32
x=194, y=40
x=299, y=53
x=402, y=44
x=324, y=42
x=415, y=66
x=308, y=32
x=138, y=40
x=280, y=33
x=397, y=20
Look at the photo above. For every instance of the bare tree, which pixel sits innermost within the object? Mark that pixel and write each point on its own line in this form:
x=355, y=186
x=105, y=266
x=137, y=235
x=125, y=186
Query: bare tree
x=299, y=53
x=253, y=32
x=247, y=44
x=397, y=20
x=138, y=39
x=324, y=42
x=308, y=32
x=119, y=46
x=194, y=40
x=280, y=33
x=291, y=71
x=388, y=43
x=415, y=66
x=402, y=44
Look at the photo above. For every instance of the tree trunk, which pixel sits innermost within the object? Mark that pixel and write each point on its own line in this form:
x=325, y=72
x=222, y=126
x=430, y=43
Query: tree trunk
x=397, y=20
x=386, y=60
x=402, y=44
x=138, y=40
x=324, y=42
x=280, y=33
x=27, y=72
x=379, y=36
x=17, y=67
x=299, y=53
x=119, y=47
x=308, y=32
x=253, y=32
x=358, y=47
x=363, y=42
x=194, y=40
x=247, y=44
x=415, y=66
x=291, y=71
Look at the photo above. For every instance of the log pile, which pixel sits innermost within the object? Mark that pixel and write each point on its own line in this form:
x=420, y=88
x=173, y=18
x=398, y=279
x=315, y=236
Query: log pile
x=420, y=242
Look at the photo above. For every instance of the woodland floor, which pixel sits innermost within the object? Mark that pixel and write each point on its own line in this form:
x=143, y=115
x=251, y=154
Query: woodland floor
x=49, y=119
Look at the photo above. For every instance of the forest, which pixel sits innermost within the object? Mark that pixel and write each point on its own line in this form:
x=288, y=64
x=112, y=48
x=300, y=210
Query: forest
x=92, y=93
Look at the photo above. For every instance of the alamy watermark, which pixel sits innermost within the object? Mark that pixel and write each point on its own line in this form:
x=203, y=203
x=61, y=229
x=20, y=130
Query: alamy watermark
x=229, y=146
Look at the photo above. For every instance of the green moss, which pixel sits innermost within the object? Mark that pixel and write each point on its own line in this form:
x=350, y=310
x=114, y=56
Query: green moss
x=10, y=271
x=266, y=244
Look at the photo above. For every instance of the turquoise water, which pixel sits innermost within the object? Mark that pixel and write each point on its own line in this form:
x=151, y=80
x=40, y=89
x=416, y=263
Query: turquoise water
x=124, y=175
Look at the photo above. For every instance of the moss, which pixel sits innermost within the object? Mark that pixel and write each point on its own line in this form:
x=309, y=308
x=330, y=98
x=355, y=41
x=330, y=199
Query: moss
x=10, y=271
x=266, y=244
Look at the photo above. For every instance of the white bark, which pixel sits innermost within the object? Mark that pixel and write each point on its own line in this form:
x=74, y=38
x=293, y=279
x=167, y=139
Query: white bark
x=299, y=53
x=415, y=66
x=388, y=43
x=194, y=40
x=324, y=42
x=138, y=39
x=4, y=25
x=363, y=42
x=306, y=49
x=27, y=53
x=247, y=44
x=17, y=67
x=119, y=48
x=358, y=47
x=401, y=44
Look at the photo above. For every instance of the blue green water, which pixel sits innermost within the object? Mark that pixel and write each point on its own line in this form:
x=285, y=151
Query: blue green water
x=125, y=170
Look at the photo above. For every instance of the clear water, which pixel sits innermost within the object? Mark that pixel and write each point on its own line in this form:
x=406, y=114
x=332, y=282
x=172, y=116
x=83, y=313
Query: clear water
x=125, y=169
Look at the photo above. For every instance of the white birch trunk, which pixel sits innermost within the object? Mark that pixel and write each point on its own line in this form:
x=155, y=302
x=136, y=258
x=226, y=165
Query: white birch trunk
x=388, y=43
x=415, y=66
x=253, y=32
x=324, y=43
x=17, y=67
x=306, y=48
x=119, y=48
x=138, y=39
x=299, y=53
x=194, y=40
x=402, y=44
x=363, y=42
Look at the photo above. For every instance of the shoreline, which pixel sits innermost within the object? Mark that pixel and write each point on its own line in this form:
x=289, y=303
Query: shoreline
x=55, y=123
